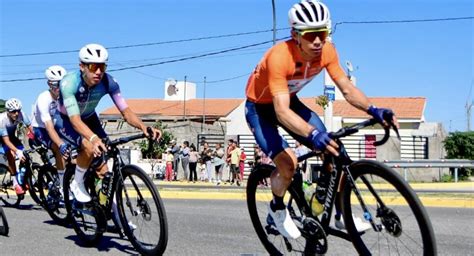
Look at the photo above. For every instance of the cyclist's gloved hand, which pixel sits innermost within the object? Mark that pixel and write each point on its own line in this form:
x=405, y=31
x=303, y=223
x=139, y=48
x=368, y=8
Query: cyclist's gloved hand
x=320, y=139
x=64, y=149
x=380, y=114
x=19, y=154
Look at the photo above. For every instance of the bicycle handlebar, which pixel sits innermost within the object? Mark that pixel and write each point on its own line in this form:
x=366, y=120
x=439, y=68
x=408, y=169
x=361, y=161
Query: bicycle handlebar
x=346, y=131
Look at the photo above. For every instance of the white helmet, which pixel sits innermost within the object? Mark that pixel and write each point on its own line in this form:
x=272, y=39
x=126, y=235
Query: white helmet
x=309, y=14
x=93, y=53
x=13, y=104
x=55, y=73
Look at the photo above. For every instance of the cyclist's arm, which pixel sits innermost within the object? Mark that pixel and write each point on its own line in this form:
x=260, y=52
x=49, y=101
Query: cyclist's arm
x=352, y=94
x=132, y=119
x=52, y=133
x=79, y=126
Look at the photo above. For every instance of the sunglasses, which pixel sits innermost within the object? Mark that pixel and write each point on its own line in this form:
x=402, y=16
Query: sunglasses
x=53, y=84
x=14, y=111
x=311, y=34
x=94, y=66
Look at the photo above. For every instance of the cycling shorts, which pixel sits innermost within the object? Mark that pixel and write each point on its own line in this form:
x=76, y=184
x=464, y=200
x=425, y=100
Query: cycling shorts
x=15, y=142
x=68, y=134
x=42, y=137
x=263, y=122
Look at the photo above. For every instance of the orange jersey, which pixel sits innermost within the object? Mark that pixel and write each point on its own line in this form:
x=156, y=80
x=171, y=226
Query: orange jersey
x=283, y=70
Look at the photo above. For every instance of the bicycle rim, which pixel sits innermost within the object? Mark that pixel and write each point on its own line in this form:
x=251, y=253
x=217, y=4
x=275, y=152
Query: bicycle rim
x=405, y=228
x=52, y=201
x=88, y=221
x=31, y=178
x=7, y=193
x=142, y=212
x=4, y=223
x=259, y=195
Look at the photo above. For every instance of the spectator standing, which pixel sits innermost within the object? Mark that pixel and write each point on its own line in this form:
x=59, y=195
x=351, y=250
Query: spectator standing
x=184, y=153
x=169, y=165
x=234, y=164
x=206, y=156
x=175, y=151
x=219, y=162
x=230, y=147
x=193, y=161
x=243, y=157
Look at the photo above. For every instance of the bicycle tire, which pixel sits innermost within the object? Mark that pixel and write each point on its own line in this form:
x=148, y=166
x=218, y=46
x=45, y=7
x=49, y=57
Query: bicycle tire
x=134, y=178
x=7, y=193
x=51, y=198
x=31, y=178
x=93, y=211
x=4, y=229
x=259, y=195
x=395, y=221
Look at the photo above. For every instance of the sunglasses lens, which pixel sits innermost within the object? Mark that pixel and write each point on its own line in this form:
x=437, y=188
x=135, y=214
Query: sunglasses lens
x=94, y=66
x=311, y=36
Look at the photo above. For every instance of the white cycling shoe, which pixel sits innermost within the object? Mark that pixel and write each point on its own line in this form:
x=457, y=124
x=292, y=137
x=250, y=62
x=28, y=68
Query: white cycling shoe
x=80, y=192
x=284, y=223
x=361, y=225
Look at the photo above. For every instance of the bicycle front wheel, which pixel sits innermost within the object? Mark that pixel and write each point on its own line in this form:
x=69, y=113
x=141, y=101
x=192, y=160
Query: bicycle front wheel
x=4, y=223
x=7, y=192
x=31, y=178
x=88, y=220
x=259, y=195
x=142, y=212
x=400, y=223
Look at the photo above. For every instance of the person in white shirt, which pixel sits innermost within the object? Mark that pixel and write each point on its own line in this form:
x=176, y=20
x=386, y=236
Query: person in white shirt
x=45, y=115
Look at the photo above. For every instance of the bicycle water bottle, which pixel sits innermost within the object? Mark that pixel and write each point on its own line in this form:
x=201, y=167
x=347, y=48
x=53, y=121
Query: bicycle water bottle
x=309, y=195
x=20, y=175
x=105, y=188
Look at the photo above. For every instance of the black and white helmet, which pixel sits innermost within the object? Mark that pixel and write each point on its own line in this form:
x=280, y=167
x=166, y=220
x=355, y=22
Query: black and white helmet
x=93, y=53
x=310, y=14
x=55, y=73
x=13, y=105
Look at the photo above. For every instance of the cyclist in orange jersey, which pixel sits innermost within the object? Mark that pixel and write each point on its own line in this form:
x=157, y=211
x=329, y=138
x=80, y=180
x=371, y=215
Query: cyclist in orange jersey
x=271, y=100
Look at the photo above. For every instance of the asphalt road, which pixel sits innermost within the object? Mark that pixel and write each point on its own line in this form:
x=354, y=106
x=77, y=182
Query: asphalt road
x=202, y=227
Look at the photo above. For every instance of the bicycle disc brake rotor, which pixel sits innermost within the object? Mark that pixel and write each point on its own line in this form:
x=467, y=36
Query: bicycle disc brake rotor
x=391, y=222
x=145, y=210
x=316, y=240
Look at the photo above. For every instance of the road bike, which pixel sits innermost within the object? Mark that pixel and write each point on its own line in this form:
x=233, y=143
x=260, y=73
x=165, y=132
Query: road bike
x=140, y=210
x=370, y=191
x=29, y=183
x=4, y=229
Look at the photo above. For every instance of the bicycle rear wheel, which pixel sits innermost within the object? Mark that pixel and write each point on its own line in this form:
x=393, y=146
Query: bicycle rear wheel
x=3, y=223
x=7, y=192
x=259, y=195
x=142, y=213
x=402, y=226
x=88, y=220
x=52, y=200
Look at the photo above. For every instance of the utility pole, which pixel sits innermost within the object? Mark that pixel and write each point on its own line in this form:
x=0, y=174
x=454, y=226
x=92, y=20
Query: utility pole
x=204, y=107
x=184, y=99
x=468, y=112
x=274, y=22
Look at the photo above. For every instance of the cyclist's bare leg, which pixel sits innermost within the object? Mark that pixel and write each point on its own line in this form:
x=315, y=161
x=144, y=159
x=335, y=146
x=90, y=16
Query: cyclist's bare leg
x=60, y=163
x=11, y=162
x=285, y=162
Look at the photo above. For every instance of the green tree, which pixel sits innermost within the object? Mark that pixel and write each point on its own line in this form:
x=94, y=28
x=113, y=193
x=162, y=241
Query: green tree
x=460, y=145
x=2, y=105
x=158, y=147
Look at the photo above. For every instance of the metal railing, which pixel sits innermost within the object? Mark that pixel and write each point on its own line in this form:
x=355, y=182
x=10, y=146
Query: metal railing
x=431, y=163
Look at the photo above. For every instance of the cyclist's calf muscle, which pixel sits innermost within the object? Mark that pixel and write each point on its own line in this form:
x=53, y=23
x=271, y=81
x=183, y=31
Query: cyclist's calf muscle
x=286, y=165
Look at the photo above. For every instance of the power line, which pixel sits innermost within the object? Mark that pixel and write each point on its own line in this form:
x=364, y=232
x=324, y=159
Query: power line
x=145, y=44
x=159, y=63
x=401, y=21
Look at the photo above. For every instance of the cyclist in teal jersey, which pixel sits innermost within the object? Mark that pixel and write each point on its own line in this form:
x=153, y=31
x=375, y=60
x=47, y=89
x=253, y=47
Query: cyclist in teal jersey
x=81, y=92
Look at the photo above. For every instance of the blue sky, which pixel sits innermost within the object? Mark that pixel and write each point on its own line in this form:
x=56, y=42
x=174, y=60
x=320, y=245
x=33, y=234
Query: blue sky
x=430, y=59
